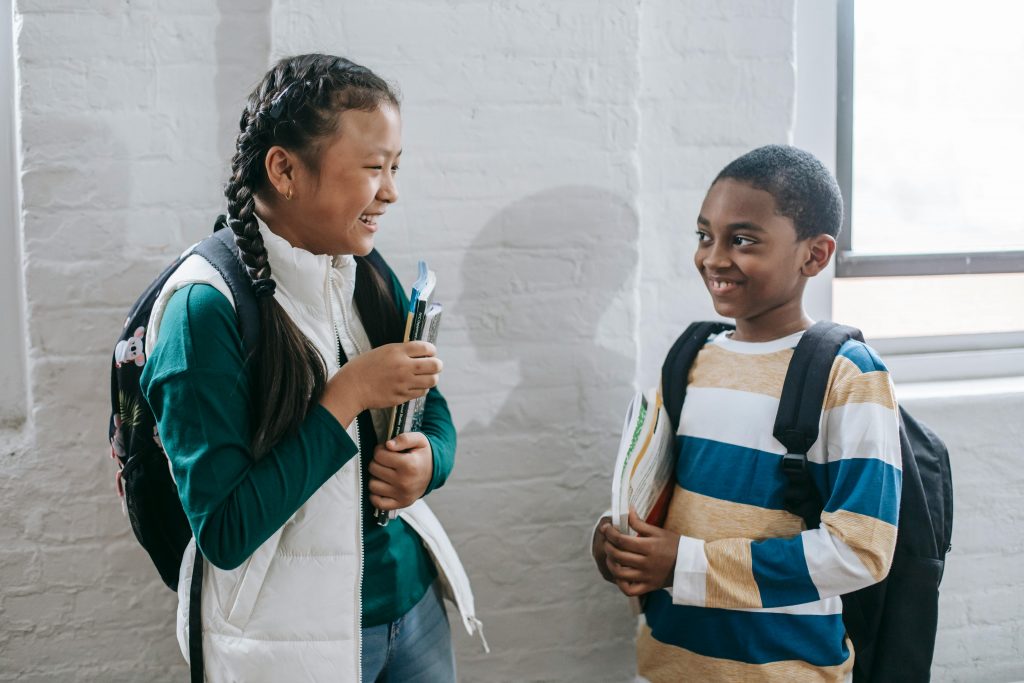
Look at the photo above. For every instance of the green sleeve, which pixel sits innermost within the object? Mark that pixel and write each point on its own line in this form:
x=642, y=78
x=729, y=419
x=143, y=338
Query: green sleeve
x=199, y=391
x=437, y=420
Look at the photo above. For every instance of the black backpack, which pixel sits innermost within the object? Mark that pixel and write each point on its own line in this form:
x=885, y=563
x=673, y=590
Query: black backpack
x=892, y=623
x=144, y=478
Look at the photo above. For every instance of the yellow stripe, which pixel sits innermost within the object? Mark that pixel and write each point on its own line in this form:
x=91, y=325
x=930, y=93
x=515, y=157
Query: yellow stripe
x=730, y=578
x=699, y=516
x=661, y=663
x=847, y=384
x=870, y=538
x=716, y=368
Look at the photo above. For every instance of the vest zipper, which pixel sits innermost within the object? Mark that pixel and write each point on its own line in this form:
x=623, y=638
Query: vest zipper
x=359, y=475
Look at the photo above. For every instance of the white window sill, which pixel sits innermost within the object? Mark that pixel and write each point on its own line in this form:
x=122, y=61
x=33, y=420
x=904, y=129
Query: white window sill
x=955, y=389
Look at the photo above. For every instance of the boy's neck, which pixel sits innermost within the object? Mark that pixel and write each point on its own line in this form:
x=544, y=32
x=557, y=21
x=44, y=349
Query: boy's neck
x=772, y=325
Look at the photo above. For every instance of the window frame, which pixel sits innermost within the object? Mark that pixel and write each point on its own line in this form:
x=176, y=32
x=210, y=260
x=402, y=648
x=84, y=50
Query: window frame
x=848, y=262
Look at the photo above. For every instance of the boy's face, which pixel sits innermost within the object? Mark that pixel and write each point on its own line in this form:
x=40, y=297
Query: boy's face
x=750, y=258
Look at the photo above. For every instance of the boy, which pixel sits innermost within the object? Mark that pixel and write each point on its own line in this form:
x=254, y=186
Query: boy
x=736, y=588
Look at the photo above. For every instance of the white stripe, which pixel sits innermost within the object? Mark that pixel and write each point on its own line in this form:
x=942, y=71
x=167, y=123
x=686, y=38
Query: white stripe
x=859, y=430
x=689, y=586
x=818, y=608
x=855, y=430
x=757, y=348
x=741, y=418
x=834, y=567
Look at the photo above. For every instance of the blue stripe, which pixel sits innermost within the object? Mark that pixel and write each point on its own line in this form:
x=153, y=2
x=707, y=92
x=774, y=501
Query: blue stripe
x=863, y=356
x=866, y=486
x=750, y=637
x=780, y=571
x=729, y=472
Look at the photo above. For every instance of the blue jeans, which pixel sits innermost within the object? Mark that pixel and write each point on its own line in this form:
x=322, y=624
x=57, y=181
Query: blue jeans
x=415, y=648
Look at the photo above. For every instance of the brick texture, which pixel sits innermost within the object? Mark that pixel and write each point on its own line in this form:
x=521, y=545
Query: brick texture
x=555, y=157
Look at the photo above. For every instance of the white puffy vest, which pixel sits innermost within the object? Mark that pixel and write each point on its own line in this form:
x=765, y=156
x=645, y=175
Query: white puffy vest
x=292, y=610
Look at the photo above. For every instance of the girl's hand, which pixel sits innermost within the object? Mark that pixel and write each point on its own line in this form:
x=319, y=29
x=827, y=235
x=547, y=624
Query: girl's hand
x=400, y=471
x=644, y=563
x=381, y=378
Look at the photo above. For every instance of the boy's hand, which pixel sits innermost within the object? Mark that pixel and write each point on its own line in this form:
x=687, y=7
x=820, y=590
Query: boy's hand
x=644, y=563
x=597, y=549
x=400, y=471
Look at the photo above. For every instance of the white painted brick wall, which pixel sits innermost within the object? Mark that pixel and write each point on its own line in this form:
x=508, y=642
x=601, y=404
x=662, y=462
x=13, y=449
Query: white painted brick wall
x=556, y=154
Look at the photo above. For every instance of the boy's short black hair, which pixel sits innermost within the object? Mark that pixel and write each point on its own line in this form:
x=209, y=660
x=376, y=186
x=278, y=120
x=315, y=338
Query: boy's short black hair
x=804, y=190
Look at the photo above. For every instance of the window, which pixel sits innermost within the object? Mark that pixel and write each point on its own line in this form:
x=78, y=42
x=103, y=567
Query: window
x=930, y=147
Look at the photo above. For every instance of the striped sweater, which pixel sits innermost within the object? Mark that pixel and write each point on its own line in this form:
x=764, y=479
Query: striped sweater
x=755, y=594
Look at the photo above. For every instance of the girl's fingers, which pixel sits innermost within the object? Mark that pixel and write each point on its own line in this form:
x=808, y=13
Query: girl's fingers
x=382, y=470
x=407, y=441
x=384, y=502
x=381, y=488
x=420, y=349
x=427, y=366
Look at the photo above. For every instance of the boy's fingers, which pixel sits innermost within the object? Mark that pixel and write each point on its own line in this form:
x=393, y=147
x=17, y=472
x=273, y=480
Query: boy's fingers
x=640, y=526
x=624, y=558
x=632, y=588
x=624, y=541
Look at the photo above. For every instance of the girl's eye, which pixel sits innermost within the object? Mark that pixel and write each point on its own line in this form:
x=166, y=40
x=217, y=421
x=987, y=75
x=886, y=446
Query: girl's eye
x=702, y=236
x=741, y=241
x=394, y=169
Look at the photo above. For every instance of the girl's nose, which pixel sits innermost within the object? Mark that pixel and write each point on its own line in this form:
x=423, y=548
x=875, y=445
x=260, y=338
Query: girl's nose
x=388, y=192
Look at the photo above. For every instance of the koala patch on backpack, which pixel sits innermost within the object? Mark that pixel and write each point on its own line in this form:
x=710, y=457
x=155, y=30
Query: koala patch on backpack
x=131, y=350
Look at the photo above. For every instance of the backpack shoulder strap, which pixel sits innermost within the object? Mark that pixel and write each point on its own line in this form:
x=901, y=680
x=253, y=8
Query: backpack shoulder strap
x=220, y=250
x=796, y=423
x=676, y=368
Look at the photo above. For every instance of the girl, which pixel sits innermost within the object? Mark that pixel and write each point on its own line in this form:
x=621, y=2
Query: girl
x=278, y=457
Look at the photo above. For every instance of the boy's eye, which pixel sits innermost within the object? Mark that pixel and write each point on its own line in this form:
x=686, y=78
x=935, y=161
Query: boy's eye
x=741, y=241
x=394, y=169
x=702, y=236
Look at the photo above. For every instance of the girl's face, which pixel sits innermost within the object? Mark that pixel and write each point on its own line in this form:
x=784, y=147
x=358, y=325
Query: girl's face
x=337, y=209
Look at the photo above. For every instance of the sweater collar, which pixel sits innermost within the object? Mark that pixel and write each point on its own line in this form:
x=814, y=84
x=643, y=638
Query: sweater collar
x=302, y=274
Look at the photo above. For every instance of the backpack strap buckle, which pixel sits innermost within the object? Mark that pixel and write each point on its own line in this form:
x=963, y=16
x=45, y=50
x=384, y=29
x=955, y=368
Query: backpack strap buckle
x=794, y=464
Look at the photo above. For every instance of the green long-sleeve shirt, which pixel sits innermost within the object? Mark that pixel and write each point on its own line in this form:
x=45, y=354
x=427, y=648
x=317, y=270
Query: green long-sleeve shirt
x=200, y=395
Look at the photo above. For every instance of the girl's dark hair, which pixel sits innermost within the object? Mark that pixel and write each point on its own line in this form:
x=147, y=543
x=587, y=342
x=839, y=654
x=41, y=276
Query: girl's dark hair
x=297, y=105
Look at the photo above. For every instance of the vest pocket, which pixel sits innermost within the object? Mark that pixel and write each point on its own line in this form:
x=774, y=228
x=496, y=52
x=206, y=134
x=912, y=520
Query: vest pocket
x=239, y=610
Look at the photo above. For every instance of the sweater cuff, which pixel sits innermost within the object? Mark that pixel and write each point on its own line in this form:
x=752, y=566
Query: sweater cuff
x=346, y=447
x=437, y=479
x=689, y=586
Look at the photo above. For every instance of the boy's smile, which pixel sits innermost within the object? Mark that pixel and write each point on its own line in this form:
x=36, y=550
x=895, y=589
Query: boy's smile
x=752, y=263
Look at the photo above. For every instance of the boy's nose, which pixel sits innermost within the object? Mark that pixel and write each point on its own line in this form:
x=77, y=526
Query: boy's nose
x=716, y=258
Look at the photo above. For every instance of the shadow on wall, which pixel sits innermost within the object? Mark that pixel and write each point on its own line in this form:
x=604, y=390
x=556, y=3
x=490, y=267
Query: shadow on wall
x=548, y=311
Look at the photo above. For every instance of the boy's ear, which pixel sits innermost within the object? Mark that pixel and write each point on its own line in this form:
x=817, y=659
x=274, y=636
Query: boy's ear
x=820, y=249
